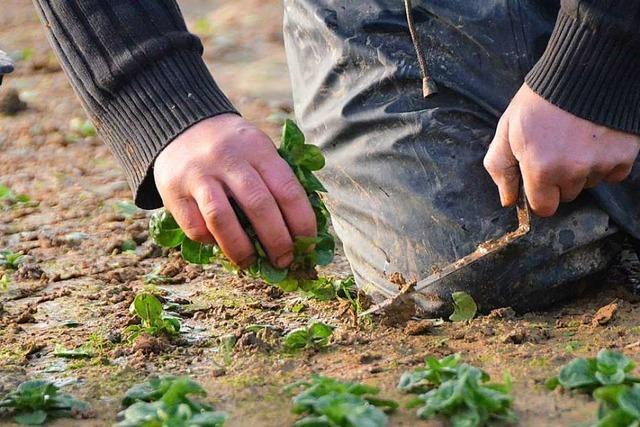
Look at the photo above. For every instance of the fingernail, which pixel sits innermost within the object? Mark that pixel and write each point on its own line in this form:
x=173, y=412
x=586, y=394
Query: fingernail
x=284, y=260
x=247, y=262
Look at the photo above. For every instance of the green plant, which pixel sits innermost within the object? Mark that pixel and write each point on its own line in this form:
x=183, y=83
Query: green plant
x=619, y=405
x=315, y=335
x=83, y=352
x=608, y=377
x=327, y=402
x=156, y=277
x=4, y=282
x=165, y=402
x=9, y=198
x=329, y=288
x=303, y=159
x=585, y=375
x=33, y=402
x=464, y=307
x=153, y=319
x=11, y=260
x=432, y=375
x=83, y=128
x=460, y=392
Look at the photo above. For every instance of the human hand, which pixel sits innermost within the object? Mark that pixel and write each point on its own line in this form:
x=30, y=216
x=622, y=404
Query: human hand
x=227, y=157
x=557, y=154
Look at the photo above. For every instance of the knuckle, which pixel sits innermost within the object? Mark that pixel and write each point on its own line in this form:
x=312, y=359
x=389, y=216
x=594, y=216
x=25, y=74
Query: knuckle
x=489, y=163
x=541, y=171
x=216, y=215
x=291, y=191
x=258, y=201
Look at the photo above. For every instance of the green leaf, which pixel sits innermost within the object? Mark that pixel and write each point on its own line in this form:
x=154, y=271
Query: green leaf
x=309, y=181
x=325, y=401
x=458, y=391
x=289, y=284
x=296, y=339
x=629, y=401
x=196, y=252
x=166, y=401
x=577, y=374
x=78, y=353
x=325, y=249
x=319, y=333
x=307, y=156
x=271, y=274
x=34, y=418
x=33, y=402
x=164, y=229
x=292, y=136
x=147, y=307
x=552, y=383
x=464, y=307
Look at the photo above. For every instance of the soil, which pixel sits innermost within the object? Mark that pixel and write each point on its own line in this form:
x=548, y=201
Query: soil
x=78, y=283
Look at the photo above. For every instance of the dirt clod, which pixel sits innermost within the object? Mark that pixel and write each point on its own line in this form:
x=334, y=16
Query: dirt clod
x=502, y=313
x=605, y=314
x=10, y=102
x=147, y=344
x=29, y=271
x=515, y=336
x=418, y=327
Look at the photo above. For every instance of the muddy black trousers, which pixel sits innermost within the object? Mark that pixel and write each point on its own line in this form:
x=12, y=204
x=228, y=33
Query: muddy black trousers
x=406, y=186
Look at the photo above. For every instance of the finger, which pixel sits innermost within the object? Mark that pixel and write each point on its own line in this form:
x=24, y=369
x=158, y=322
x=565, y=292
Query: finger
x=594, y=178
x=619, y=173
x=290, y=197
x=223, y=224
x=544, y=199
x=502, y=165
x=187, y=215
x=256, y=201
x=571, y=190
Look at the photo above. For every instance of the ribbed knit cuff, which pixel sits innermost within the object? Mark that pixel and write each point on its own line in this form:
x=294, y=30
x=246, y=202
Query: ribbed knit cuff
x=591, y=74
x=152, y=110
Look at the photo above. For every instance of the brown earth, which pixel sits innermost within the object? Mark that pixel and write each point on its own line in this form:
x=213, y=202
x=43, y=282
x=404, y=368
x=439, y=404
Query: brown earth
x=77, y=283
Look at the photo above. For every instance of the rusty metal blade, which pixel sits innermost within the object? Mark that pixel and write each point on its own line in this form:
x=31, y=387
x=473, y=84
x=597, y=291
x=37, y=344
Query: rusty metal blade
x=483, y=249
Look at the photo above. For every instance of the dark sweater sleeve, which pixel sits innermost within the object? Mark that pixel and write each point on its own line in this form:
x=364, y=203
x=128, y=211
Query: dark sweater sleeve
x=139, y=74
x=591, y=66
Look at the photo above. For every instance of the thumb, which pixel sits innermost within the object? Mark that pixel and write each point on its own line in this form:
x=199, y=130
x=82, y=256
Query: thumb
x=502, y=165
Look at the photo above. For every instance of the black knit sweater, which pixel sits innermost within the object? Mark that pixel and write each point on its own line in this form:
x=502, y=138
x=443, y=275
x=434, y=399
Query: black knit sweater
x=139, y=72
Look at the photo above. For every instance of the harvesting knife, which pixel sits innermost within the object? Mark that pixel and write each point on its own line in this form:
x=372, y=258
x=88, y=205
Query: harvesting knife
x=483, y=249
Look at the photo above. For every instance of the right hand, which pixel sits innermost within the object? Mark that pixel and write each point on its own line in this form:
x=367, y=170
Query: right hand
x=227, y=157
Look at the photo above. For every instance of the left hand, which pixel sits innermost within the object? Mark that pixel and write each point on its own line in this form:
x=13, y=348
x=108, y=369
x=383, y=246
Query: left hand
x=557, y=154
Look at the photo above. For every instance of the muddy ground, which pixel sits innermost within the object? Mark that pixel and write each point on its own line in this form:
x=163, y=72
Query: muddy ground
x=77, y=283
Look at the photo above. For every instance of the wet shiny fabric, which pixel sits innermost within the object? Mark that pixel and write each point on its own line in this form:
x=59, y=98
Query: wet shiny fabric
x=407, y=189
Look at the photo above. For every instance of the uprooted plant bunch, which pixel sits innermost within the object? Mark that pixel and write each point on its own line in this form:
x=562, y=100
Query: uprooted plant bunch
x=309, y=252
